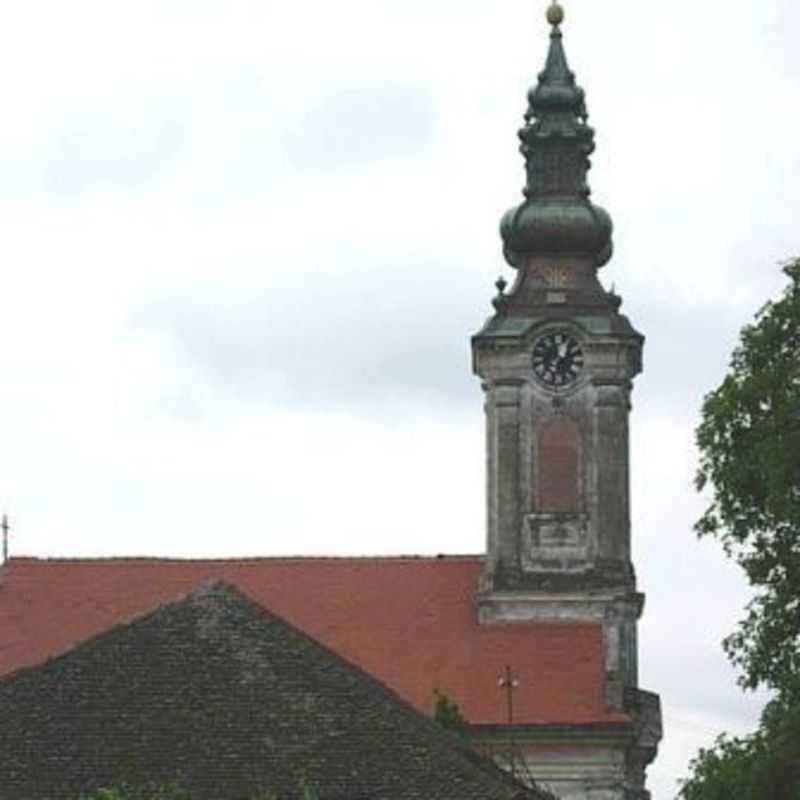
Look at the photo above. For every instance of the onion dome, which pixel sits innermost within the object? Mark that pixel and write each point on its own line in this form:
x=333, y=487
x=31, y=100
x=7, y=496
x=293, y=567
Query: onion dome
x=556, y=217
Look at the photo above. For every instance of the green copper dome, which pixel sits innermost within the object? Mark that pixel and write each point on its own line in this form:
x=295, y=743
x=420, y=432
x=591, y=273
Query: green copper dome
x=556, y=217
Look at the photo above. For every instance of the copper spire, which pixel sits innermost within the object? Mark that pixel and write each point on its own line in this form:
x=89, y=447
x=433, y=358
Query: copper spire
x=556, y=216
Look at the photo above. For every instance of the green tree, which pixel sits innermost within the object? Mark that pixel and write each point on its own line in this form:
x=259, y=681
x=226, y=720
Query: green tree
x=448, y=714
x=150, y=791
x=762, y=766
x=749, y=443
x=173, y=791
x=722, y=772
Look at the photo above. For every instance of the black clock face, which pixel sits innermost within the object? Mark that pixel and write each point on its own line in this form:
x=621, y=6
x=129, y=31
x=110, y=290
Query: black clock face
x=557, y=359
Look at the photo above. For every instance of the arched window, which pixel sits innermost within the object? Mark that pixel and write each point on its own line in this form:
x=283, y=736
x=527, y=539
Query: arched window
x=557, y=472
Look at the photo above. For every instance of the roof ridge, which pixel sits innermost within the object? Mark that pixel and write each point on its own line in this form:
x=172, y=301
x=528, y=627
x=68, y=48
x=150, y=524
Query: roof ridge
x=106, y=560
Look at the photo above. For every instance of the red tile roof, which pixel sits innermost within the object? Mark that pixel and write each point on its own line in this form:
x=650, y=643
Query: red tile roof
x=411, y=622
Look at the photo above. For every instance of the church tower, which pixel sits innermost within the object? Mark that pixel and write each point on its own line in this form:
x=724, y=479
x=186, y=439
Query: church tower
x=556, y=361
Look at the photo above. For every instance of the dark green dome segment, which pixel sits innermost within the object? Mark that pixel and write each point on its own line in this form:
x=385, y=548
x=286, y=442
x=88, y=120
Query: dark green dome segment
x=556, y=227
x=557, y=216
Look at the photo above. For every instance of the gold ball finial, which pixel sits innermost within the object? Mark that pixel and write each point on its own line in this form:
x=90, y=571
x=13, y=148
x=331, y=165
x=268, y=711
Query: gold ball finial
x=555, y=13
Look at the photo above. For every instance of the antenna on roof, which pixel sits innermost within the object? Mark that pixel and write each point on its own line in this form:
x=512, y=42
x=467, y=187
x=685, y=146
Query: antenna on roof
x=509, y=683
x=5, y=528
x=515, y=759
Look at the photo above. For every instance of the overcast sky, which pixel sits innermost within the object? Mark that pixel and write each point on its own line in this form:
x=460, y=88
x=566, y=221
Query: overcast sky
x=243, y=246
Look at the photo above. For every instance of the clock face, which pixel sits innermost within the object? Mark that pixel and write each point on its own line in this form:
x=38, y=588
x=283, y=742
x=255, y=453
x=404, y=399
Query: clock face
x=557, y=359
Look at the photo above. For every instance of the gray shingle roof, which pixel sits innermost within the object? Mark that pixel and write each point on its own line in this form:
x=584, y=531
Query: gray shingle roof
x=217, y=692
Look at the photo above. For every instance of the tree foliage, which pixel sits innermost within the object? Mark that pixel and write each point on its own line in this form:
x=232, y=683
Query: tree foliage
x=150, y=791
x=721, y=772
x=749, y=443
x=448, y=714
x=174, y=791
x=762, y=766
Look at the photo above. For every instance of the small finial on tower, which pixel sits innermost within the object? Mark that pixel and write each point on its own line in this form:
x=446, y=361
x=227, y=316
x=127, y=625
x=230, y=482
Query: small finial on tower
x=555, y=13
x=501, y=299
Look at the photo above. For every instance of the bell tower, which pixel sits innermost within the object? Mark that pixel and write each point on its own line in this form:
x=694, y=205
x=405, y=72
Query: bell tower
x=556, y=361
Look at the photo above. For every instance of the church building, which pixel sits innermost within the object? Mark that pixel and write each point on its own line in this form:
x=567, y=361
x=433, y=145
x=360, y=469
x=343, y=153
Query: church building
x=536, y=639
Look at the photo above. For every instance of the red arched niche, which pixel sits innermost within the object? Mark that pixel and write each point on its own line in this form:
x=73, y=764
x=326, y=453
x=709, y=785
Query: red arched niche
x=557, y=472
